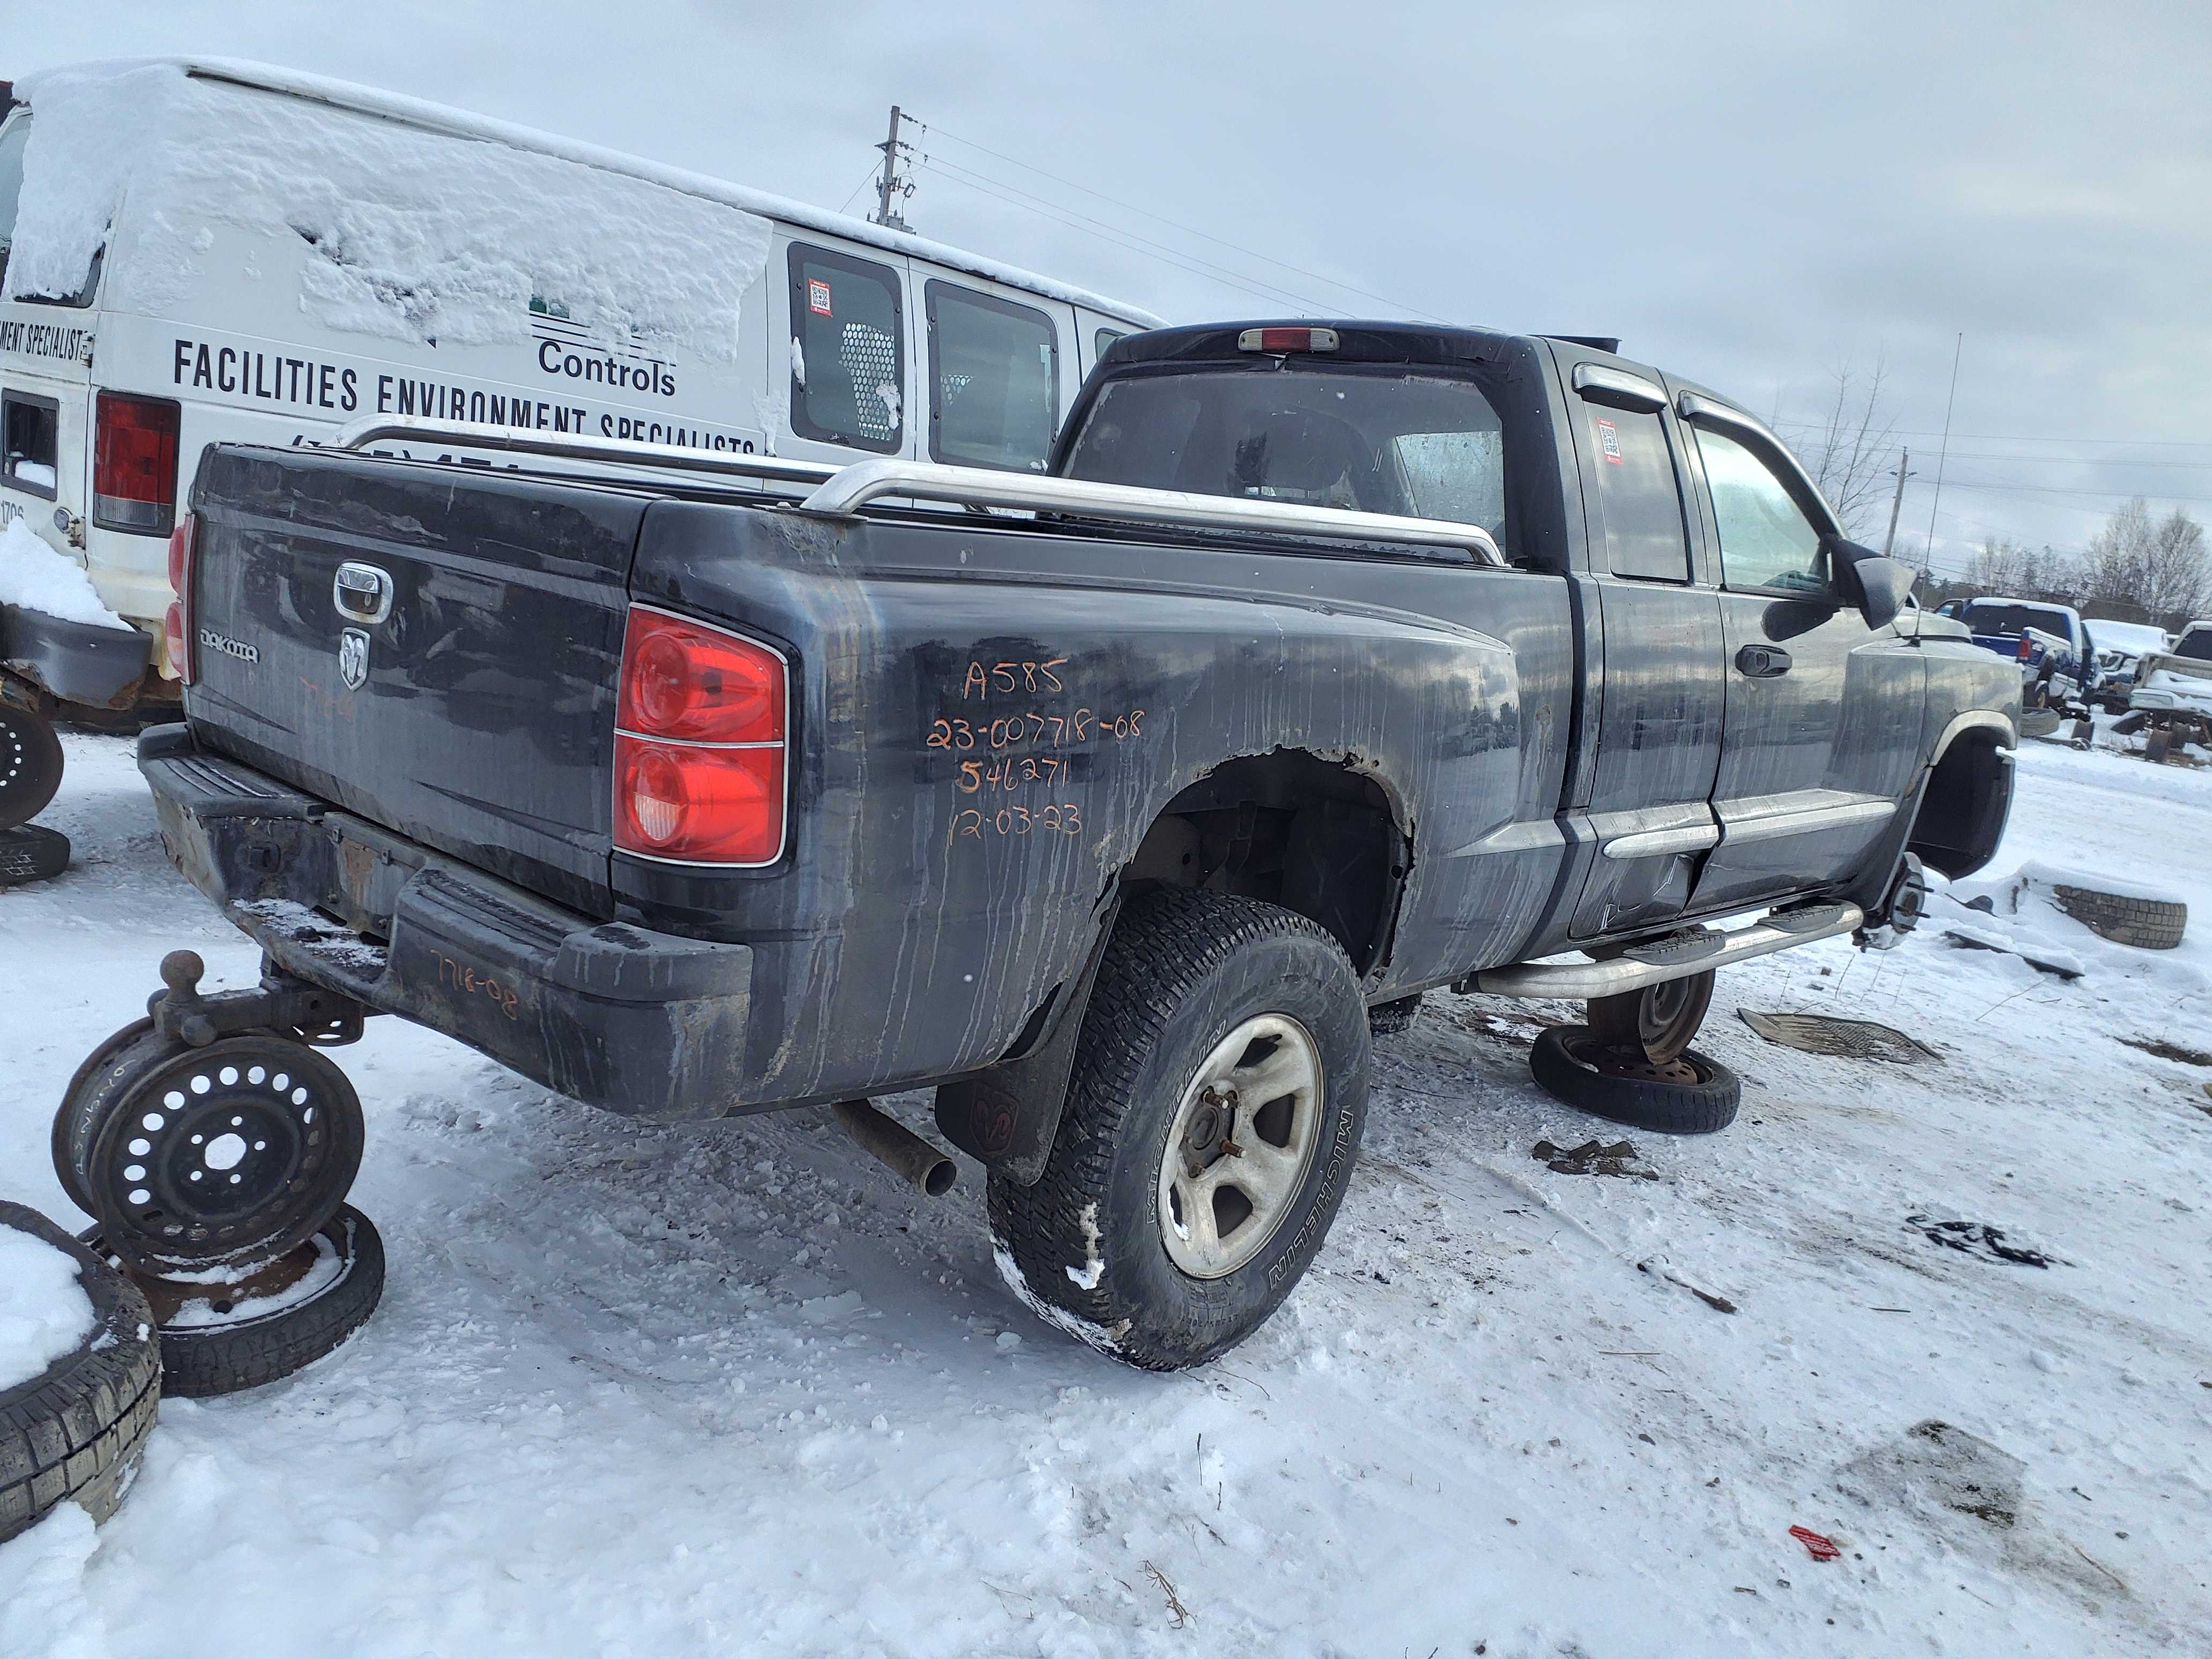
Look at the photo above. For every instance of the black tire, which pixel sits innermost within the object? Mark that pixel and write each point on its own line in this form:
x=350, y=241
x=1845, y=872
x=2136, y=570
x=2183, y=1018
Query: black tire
x=1086, y=1247
x=31, y=852
x=77, y=1430
x=2146, y=924
x=81, y=1110
x=30, y=766
x=1391, y=1018
x=200, y=1361
x=1707, y=1102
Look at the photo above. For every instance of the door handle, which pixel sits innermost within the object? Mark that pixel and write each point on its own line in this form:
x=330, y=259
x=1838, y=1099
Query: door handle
x=1762, y=662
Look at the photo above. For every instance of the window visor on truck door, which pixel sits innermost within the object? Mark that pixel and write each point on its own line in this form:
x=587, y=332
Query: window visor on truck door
x=14, y=139
x=1770, y=532
x=847, y=350
x=1422, y=446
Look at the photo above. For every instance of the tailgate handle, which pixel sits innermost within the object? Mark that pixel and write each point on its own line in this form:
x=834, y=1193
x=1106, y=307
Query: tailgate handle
x=362, y=593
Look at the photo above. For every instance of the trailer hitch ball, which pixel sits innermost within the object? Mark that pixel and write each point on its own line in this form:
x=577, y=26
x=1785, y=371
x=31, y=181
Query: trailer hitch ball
x=180, y=972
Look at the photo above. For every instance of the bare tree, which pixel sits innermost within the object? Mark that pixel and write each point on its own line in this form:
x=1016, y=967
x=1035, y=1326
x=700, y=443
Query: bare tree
x=2157, y=564
x=2014, y=569
x=1850, y=457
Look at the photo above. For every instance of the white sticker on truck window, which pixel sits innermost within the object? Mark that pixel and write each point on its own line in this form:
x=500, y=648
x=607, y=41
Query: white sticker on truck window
x=817, y=297
x=1609, y=439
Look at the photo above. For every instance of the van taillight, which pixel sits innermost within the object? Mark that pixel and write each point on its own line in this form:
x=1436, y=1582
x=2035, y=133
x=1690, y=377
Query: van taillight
x=177, y=626
x=700, y=740
x=134, y=464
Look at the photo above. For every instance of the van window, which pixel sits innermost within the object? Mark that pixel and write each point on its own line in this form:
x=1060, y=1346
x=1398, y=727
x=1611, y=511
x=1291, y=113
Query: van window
x=847, y=350
x=30, y=428
x=1645, y=532
x=14, y=138
x=994, y=380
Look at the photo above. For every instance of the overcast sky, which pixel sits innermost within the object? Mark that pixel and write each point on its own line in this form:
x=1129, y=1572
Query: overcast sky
x=1752, y=195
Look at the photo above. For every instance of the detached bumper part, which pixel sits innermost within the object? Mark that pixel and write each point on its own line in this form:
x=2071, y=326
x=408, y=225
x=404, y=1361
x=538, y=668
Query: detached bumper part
x=614, y=1015
x=76, y=662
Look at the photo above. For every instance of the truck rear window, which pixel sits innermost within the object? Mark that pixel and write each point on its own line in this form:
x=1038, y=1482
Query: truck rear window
x=2006, y=621
x=2196, y=645
x=1421, y=446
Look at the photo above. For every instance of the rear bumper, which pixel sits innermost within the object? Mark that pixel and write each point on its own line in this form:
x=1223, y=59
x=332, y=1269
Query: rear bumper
x=2164, y=699
x=616, y=1016
x=100, y=667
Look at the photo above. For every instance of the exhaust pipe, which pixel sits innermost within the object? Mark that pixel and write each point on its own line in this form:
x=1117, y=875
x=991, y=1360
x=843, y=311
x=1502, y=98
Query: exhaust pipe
x=896, y=1147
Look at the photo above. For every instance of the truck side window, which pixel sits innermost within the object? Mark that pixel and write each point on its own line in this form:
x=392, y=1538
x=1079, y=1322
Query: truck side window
x=994, y=379
x=847, y=350
x=1104, y=337
x=1767, y=540
x=1644, y=531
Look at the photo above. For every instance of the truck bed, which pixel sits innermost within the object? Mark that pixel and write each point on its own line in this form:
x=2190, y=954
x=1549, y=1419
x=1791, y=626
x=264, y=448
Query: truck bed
x=988, y=716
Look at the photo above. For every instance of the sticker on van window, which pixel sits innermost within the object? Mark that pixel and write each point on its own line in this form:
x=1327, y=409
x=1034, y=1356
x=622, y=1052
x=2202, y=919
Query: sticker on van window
x=1608, y=441
x=817, y=297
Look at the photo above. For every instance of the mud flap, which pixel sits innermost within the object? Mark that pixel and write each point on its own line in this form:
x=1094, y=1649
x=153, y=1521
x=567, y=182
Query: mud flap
x=1008, y=1115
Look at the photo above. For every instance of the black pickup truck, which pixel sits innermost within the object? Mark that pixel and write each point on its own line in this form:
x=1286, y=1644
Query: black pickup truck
x=1328, y=664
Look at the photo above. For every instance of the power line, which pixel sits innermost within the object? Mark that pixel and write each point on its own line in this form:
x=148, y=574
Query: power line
x=2023, y=437
x=1189, y=230
x=952, y=174
x=867, y=179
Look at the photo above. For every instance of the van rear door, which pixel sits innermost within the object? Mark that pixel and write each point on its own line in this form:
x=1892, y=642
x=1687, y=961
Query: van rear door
x=436, y=653
x=45, y=381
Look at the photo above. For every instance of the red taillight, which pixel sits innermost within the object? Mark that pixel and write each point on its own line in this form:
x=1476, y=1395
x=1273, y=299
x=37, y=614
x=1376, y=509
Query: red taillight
x=681, y=680
x=134, y=464
x=2026, y=647
x=177, y=626
x=699, y=744
x=1287, y=339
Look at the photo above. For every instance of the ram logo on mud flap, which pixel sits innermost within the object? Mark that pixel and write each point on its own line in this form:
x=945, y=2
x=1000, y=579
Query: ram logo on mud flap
x=353, y=657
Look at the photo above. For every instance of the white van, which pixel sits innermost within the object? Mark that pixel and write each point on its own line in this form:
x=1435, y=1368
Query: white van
x=195, y=251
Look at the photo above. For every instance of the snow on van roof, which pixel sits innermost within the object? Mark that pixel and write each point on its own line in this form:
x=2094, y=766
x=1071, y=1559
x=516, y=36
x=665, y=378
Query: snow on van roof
x=419, y=112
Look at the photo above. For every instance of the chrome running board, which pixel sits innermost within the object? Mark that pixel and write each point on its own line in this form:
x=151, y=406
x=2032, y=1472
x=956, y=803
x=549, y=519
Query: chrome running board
x=1676, y=956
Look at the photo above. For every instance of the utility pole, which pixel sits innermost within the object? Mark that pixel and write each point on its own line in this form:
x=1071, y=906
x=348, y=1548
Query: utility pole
x=890, y=186
x=1904, y=459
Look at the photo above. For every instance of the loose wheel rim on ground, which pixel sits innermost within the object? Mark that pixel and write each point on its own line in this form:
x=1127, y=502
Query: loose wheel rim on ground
x=30, y=766
x=233, y=1153
x=1240, y=1145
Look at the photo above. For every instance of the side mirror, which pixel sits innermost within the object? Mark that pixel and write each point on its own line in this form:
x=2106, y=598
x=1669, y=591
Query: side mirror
x=1879, y=587
x=1885, y=587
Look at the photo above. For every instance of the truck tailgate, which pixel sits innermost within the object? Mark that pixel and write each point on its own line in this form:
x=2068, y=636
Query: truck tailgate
x=459, y=690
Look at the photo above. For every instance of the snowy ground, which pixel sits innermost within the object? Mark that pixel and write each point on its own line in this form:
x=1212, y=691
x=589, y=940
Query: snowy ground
x=655, y=1392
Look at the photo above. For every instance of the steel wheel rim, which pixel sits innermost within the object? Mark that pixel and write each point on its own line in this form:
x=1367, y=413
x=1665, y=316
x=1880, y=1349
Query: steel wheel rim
x=231, y=1153
x=1240, y=1146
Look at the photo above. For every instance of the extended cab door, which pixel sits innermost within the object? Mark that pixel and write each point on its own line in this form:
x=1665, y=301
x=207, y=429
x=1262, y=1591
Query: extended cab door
x=1659, y=724
x=1824, y=714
